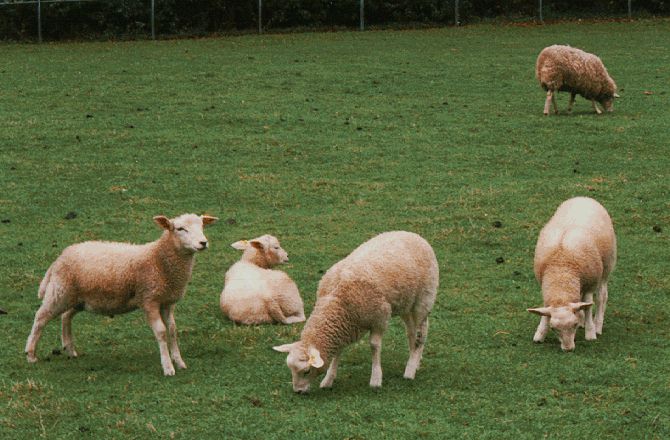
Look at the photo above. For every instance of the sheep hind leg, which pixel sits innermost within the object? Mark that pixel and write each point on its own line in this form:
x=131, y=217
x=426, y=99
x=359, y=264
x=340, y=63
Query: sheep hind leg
x=167, y=315
x=44, y=314
x=553, y=102
x=416, y=337
x=66, y=332
x=376, y=346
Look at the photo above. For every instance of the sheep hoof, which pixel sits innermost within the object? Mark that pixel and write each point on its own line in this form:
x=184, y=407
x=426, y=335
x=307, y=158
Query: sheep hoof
x=31, y=358
x=591, y=336
x=180, y=364
x=168, y=371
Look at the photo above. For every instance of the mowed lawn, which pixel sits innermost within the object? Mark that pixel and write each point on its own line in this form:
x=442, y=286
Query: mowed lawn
x=324, y=140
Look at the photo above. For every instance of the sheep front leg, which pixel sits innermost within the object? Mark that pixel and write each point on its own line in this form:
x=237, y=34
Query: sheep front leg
x=331, y=374
x=595, y=107
x=589, y=326
x=602, y=304
x=167, y=314
x=152, y=312
x=542, y=329
x=376, y=346
x=547, y=102
x=572, y=101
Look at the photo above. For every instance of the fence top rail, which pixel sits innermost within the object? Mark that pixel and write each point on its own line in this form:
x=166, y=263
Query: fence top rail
x=28, y=2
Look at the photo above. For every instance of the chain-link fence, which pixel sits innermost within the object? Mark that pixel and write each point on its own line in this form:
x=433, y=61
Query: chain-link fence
x=59, y=19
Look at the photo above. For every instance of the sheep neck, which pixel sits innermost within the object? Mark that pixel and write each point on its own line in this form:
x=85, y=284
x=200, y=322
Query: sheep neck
x=331, y=327
x=561, y=285
x=173, y=259
x=257, y=258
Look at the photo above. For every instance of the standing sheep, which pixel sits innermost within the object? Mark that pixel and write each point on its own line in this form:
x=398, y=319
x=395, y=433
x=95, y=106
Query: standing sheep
x=113, y=278
x=574, y=256
x=394, y=273
x=568, y=69
x=256, y=294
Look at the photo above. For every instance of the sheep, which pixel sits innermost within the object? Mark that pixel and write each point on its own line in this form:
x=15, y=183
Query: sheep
x=254, y=293
x=111, y=278
x=574, y=256
x=568, y=69
x=394, y=273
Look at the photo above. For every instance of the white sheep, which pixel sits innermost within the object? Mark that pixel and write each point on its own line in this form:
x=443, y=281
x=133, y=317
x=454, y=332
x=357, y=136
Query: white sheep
x=113, y=278
x=394, y=273
x=568, y=69
x=254, y=293
x=574, y=256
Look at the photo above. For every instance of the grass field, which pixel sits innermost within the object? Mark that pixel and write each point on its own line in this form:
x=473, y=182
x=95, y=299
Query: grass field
x=326, y=140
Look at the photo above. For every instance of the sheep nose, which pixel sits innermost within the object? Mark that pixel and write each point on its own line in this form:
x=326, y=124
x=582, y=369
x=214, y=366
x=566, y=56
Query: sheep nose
x=203, y=244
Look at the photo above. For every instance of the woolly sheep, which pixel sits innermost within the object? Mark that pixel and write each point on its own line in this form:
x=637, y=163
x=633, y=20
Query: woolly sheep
x=394, y=273
x=574, y=256
x=253, y=292
x=113, y=278
x=568, y=69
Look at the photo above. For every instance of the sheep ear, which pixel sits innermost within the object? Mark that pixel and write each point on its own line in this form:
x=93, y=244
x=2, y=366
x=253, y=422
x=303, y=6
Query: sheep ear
x=208, y=220
x=616, y=95
x=240, y=245
x=542, y=311
x=284, y=348
x=257, y=244
x=580, y=306
x=164, y=222
x=314, y=358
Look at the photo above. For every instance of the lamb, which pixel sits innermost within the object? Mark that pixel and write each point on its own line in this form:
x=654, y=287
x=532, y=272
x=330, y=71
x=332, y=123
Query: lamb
x=111, y=278
x=568, y=69
x=394, y=273
x=256, y=294
x=574, y=256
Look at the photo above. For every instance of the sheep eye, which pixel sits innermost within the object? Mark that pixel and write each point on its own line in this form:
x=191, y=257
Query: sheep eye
x=181, y=229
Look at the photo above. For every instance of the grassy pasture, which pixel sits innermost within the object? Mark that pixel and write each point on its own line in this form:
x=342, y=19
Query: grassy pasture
x=325, y=140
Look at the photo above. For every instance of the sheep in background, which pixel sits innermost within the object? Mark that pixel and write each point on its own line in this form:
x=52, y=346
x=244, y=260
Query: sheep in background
x=568, y=69
x=394, y=273
x=254, y=293
x=113, y=278
x=574, y=256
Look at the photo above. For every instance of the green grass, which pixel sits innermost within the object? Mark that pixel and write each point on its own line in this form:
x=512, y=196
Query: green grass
x=325, y=140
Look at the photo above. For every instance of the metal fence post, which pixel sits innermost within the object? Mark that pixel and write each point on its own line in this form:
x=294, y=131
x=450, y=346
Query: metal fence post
x=362, y=14
x=39, y=21
x=457, y=19
x=540, y=11
x=630, y=12
x=260, y=16
x=153, y=20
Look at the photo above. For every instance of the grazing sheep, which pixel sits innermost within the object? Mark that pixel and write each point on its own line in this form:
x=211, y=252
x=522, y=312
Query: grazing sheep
x=113, y=278
x=394, y=273
x=256, y=294
x=574, y=256
x=568, y=69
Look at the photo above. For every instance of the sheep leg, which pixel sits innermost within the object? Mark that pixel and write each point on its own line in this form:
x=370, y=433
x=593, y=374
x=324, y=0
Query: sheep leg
x=417, y=340
x=376, y=346
x=275, y=311
x=331, y=374
x=542, y=329
x=553, y=101
x=589, y=326
x=595, y=107
x=167, y=314
x=153, y=314
x=42, y=317
x=602, y=303
x=547, y=102
x=572, y=101
x=66, y=332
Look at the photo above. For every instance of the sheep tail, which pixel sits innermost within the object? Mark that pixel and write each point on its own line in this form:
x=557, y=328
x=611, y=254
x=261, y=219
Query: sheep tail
x=43, y=285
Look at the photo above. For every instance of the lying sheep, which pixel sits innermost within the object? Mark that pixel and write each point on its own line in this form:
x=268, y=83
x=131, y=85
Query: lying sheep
x=394, y=273
x=113, y=278
x=256, y=294
x=574, y=256
x=568, y=69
